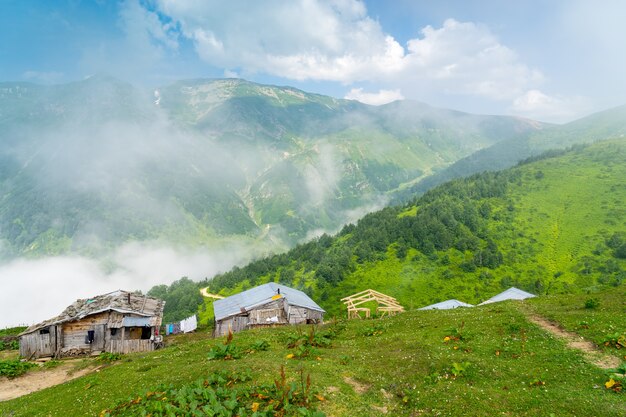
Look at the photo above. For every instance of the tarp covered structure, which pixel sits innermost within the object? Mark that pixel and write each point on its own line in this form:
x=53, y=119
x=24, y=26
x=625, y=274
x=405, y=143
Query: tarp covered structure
x=446, y=305
x=510, y=294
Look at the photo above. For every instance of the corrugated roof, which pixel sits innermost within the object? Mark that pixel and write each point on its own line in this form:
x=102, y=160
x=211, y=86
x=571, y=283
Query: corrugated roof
x=246, y=300
x=121, y=301
x=510, y=294
x=446, y=305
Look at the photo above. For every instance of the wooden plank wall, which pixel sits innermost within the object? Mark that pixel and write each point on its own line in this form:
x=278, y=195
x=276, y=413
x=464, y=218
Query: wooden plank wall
x=74, y=333
x=236, y=323
x=297, y=315
x=130, y=346
x=36, y=345
x=260, y=316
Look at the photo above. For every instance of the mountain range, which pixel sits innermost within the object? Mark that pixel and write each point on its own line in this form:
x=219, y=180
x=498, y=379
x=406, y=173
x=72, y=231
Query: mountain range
x=87, y=166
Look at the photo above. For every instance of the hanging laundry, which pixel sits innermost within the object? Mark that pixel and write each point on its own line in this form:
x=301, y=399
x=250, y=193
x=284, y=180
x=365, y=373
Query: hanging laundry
x=189, y=324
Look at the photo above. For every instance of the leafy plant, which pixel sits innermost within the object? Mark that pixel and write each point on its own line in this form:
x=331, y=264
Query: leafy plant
x=109, y=357
x=14, y=368
x=616, y=340
x=458, y=369
x=52, y=364
x=592, y=303
x=217, y=395
x=226, y=351
x=313, y=339
x=259, y=345
x=454, y=333
x=374, y=330
x=12, y=345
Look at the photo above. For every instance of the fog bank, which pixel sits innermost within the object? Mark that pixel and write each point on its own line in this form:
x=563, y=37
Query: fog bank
x=34, y=290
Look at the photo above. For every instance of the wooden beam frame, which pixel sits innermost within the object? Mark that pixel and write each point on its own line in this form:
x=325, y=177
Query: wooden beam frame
x=386, y=305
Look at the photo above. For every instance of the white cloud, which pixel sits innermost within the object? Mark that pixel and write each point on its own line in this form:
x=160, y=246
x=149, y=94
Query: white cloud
x=375, y=99
x=144, y=27
x=338, y=41
x=558, y=109
x=466, y=58
x=230, y=74
x=37, y=289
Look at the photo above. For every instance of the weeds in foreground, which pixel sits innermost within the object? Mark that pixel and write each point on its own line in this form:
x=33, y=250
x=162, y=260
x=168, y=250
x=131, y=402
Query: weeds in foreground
x=12, y=345
x=217, y=395
x=14, y=368
x=617, y=379
x=226, y=351
x=109, y=357
x=305, y=344
x=616, y=340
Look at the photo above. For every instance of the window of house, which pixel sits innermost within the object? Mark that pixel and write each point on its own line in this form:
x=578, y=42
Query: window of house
x=45, y=331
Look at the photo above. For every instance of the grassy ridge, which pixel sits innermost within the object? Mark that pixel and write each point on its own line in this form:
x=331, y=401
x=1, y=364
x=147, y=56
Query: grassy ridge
x=551, y=225
x=493, y=361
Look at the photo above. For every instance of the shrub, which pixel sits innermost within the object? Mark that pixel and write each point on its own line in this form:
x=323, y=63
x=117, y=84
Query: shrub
x=592, y=303
x=13, y=368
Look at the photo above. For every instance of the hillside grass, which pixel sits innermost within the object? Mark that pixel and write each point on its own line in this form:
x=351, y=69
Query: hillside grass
x=474, y=362
x=549, y=220
x=597, y=316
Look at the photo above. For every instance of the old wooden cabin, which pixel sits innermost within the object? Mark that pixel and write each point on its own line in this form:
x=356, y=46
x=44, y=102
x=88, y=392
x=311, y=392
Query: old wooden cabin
x=266, y=305
x=117, y=322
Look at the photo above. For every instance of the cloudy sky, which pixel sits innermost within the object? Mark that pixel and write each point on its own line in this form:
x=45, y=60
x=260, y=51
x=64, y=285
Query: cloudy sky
x=550, y=60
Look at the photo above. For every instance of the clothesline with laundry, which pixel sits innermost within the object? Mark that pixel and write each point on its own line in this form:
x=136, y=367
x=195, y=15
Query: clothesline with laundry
x=184, y=326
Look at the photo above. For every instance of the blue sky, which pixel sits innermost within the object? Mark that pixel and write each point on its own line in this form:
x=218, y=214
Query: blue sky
x=550, y=60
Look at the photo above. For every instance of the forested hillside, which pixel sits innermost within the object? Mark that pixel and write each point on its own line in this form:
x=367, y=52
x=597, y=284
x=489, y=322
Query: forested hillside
x=553, y=224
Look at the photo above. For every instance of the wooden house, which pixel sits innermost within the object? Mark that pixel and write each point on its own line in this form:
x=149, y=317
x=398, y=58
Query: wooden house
x=263, y=306
x=117, y=322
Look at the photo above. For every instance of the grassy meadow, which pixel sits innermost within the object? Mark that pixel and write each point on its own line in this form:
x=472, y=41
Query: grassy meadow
x=488, y=360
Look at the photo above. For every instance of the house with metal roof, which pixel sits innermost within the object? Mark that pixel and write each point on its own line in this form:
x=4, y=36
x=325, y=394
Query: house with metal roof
x=446, y=305
x=267, y=305
x=117, y=322
x=510, y=294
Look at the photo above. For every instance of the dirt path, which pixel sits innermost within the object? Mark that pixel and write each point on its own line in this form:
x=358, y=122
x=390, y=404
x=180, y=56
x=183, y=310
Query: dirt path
x=206, y=293
x=39, y=379
x=590, y=351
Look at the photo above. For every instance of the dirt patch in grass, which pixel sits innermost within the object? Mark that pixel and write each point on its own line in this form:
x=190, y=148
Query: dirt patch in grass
x=574, y=341
x=37, y=380
x=357, y=386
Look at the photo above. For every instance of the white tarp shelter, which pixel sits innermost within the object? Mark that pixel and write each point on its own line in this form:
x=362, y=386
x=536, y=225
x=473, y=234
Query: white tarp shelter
x=446, y=305
x=510, y=294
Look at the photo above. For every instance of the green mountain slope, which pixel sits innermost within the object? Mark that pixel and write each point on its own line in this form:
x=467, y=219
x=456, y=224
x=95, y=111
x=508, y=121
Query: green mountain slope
x=599, y=126
x=552, y=225
x=87, y=166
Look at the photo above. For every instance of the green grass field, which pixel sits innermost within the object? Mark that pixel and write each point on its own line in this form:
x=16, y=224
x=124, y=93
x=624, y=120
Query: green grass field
x=473, y=362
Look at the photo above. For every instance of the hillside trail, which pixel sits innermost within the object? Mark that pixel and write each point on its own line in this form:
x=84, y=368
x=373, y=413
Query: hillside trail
x=590, y=351
x=206, y=293
x=37, y=380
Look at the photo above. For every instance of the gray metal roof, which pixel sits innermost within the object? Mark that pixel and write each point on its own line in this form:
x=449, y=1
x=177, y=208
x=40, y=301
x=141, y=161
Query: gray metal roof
x=244, y=301
x=446, y=305
x=510, y=294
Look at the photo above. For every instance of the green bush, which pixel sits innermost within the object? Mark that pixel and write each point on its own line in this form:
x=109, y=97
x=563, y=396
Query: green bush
x=592, y=303
x=13, y=368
